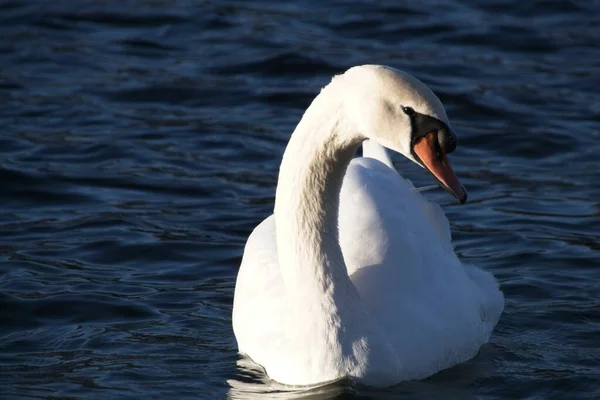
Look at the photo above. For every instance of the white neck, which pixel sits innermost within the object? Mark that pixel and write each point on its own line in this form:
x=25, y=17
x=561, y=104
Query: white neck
x=306, y=211
x=328, y=325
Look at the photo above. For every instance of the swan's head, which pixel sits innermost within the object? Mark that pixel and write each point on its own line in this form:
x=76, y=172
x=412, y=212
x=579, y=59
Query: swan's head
x=402, y=114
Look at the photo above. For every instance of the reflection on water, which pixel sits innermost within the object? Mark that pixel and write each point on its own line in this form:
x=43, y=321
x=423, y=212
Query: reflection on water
x=252, y=383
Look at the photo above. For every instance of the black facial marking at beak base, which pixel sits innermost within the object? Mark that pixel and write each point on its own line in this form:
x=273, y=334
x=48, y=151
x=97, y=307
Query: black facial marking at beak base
x=431, y=140
x=422, y=124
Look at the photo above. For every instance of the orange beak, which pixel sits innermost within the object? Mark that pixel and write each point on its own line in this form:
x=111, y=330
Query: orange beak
x=428, y=152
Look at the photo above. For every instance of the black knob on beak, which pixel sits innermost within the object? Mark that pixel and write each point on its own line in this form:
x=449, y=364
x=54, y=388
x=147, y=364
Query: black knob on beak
x=447, y=140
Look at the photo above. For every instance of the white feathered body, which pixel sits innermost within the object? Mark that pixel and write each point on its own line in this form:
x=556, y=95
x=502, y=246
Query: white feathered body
x=354, y=275
x=429, y=310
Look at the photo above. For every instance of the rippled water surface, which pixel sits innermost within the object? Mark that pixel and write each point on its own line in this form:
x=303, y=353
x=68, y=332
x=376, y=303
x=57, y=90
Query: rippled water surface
x=140, y=143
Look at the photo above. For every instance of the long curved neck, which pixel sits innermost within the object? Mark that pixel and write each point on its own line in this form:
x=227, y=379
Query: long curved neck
x=306, y=208
x=326, y=320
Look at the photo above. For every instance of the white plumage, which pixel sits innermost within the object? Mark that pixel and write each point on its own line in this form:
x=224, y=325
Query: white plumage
x=383, y=298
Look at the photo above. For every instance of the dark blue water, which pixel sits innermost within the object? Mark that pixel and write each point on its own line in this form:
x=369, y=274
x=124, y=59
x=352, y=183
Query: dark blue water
x=140, y=143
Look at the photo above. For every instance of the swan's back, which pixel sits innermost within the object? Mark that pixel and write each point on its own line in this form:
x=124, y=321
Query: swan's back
x=399, y=256
x=434, y=311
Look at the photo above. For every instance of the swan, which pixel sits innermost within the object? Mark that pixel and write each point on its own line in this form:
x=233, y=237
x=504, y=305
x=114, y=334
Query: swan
x=354, y=275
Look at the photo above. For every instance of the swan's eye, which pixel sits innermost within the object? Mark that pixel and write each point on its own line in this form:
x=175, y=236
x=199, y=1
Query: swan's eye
x=408, y=110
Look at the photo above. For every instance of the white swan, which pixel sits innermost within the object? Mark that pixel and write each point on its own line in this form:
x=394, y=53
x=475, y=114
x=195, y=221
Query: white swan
x=383, y=298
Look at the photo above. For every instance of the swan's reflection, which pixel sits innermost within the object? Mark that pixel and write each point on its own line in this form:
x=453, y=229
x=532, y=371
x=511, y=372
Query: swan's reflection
x=251, y=382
